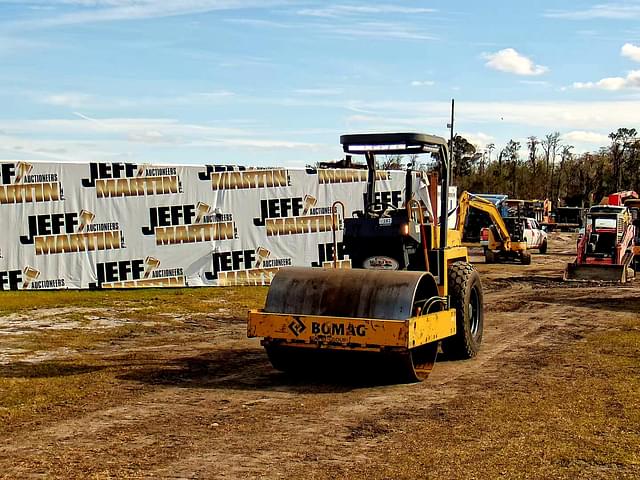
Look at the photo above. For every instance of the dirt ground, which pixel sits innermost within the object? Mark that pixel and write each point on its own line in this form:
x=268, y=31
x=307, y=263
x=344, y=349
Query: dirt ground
x=166, y=385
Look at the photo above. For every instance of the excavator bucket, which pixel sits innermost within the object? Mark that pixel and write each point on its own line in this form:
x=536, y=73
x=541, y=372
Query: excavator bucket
x=598, y=272
x=387, y=323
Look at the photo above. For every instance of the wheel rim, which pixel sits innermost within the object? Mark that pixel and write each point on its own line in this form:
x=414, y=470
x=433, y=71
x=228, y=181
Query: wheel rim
x=474, y=312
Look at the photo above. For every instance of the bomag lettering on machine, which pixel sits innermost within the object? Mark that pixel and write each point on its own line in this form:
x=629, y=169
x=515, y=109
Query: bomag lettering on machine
x=338, y=329
x=378, y=322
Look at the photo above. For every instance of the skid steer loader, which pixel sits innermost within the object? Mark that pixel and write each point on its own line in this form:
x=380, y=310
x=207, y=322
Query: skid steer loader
x=606, y=249
x=411, y=287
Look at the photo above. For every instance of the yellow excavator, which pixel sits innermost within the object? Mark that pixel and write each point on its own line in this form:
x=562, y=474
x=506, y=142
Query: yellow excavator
x=501, y=244
x=411, y=289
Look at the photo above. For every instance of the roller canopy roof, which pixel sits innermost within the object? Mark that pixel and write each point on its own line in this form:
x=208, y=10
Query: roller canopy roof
x=392, y=143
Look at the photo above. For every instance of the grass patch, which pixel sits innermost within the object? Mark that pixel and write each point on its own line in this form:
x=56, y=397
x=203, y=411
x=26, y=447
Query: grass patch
x=188, y=300
x=574, y=415
x=30, y=390
x=80, y=339
x=33, y=389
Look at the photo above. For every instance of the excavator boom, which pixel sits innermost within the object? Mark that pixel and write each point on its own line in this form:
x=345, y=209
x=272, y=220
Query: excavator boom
x=500, y=240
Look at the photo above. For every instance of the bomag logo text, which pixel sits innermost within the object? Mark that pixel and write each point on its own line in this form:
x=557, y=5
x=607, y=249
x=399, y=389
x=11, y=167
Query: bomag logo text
x=291, y=216
x=112, y=180
x=223, y=179
x=338, y=329
x=179, y=224
x=64, y=233
x=18, y=185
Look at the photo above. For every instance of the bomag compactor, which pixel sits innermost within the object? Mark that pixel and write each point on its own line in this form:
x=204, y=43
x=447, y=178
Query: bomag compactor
x=411, y=287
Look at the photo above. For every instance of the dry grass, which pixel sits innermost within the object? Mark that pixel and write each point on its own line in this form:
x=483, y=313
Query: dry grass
x=573, y=414
x=179, y=300
x=58, y=369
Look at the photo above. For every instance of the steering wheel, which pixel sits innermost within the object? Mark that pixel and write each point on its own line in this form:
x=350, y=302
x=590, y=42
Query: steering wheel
x=381, y=208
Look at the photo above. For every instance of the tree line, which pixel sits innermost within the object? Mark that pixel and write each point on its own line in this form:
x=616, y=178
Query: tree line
x=549, y=168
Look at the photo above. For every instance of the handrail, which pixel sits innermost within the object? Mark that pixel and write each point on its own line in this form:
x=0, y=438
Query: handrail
x=422, y=229
x=334, y=228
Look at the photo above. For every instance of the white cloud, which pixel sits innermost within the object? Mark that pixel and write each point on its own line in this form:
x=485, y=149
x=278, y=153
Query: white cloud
x=631, y=81
x=478, y=139
x=319, y=92
x=612, y=11
x=510, y=61
x=76, y=100
x=582, y=136
x=117, y=134
x=423, y=83
x=16, y=46
x=116, y=127
x=342, y=10
x=397, y=30
x=71, y=100
x=536, y=83
x=631, y=51
x=597, y=115
x=92, y=11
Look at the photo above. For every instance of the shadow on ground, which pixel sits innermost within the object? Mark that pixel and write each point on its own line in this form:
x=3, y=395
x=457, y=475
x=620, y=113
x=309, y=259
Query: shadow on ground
x=250, y=369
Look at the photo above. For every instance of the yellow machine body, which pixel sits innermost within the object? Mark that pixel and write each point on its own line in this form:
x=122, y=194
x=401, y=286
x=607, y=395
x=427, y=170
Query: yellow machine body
x=355, y=332
x=352, y=333
x=386, y=312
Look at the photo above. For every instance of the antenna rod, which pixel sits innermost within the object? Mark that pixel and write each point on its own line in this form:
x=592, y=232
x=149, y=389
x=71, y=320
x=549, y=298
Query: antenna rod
x=451, y=125
x=444, y=204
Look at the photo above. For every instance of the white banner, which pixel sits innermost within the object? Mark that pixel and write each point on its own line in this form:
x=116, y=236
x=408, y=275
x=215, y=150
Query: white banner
x=122, y=225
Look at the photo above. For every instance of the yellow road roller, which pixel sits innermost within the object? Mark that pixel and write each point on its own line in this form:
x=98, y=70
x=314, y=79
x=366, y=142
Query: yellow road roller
x=411, y=289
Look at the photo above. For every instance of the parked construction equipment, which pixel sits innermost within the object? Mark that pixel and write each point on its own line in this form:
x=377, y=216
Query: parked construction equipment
x=633, y=204
x=606, y=249
x=331, y=318
x=502, y=244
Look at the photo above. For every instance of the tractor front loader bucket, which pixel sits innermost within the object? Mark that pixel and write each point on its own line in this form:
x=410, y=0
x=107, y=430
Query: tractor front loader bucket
x=598, y=272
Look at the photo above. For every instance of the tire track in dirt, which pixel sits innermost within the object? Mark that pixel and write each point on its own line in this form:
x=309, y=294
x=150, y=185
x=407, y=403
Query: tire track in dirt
x=219, y=410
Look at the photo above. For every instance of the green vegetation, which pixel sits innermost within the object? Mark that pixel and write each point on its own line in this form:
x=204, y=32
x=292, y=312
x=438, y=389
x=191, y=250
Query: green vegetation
x=548, y=168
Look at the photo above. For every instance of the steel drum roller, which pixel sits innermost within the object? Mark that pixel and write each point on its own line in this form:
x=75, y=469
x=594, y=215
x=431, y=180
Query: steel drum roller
x=385, y=295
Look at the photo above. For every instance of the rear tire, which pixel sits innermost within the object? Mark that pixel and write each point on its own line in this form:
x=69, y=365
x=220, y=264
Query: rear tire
x=465, y=289
x=525, y=258
x=543, y=247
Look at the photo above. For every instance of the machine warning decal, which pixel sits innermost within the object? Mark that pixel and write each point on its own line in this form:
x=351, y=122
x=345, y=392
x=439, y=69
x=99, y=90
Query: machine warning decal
x=380, y=262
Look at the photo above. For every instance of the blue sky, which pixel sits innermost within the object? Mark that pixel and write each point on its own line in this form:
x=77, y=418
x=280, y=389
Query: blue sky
x=276, y=82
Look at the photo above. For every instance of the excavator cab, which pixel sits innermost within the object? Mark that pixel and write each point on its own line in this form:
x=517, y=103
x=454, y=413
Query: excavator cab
x=411, y=291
